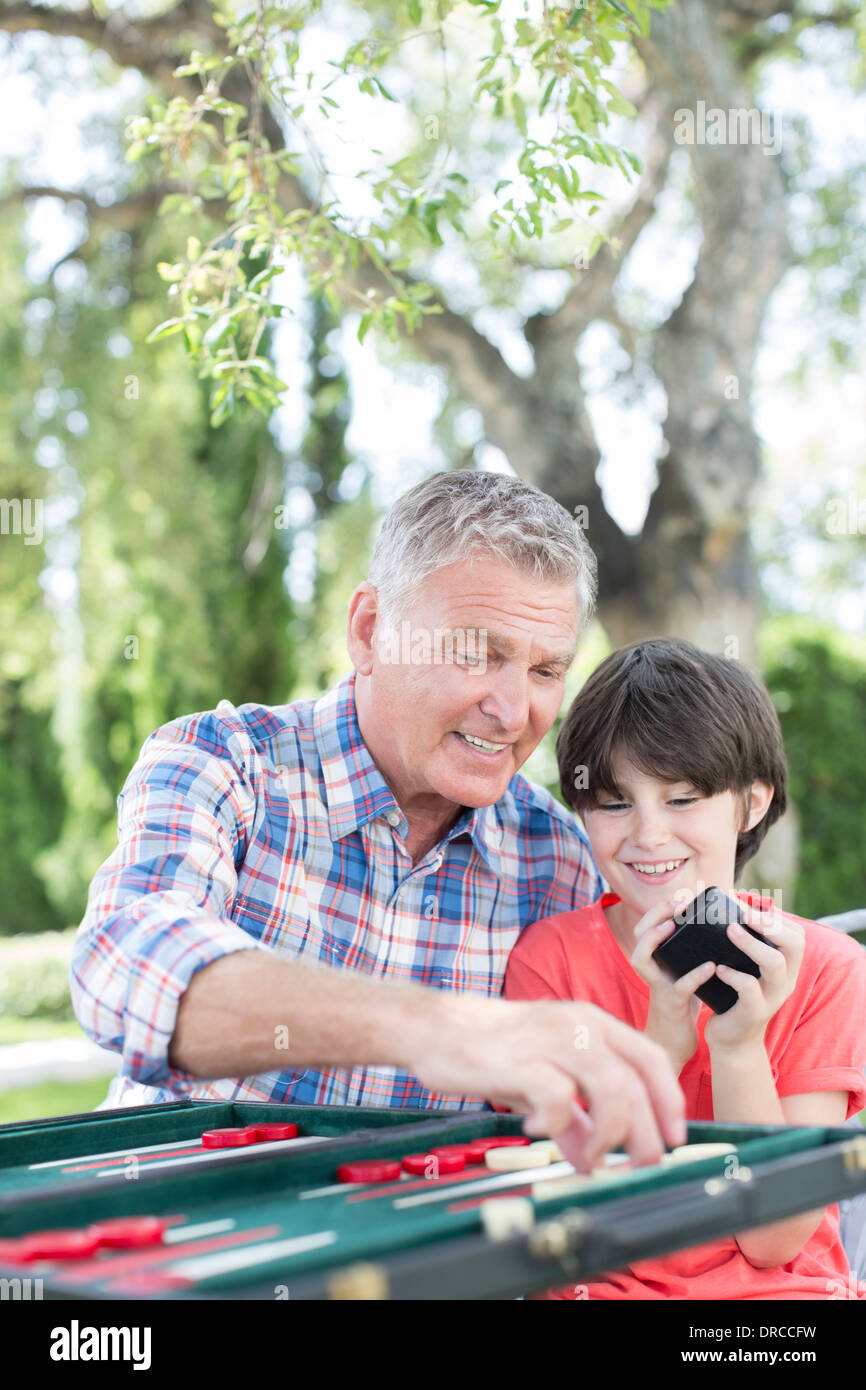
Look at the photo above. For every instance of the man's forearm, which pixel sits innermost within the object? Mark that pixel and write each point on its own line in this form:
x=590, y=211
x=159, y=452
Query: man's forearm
x=252, y=1012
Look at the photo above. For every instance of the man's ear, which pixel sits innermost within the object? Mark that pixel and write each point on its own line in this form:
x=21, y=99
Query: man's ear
x=759, y=799
x=361, y=626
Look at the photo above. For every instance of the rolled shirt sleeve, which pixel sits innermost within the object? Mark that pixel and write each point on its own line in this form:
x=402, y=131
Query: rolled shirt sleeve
x=158, y=908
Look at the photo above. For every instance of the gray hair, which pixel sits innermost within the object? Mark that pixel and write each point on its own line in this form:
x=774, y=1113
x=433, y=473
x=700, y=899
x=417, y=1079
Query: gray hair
x=456, y=515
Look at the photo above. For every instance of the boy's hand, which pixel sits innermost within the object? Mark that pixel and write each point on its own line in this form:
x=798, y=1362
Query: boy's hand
x=745, y=1023
x=673, y=1008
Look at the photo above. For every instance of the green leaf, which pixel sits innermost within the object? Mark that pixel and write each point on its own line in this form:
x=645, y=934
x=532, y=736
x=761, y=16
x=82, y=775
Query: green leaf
x=172, y=273
x=264, y=276
x=218, y=331
x=604, y=47
x=265, y=372
x=165, y=330
x=519, y=109
x=415, y=9
x=262, y=400
x=364, y=326
x=620, y=107
x=548, y=93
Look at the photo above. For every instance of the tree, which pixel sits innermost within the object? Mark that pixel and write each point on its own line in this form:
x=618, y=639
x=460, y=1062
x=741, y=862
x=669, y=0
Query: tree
x=229, y=157
x=251, y=166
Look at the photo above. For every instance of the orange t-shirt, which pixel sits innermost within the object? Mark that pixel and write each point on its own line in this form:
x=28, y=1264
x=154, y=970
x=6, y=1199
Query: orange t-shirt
x=815, y=1042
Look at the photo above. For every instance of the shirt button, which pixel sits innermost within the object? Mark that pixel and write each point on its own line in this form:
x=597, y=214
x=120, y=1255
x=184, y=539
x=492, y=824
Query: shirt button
x=393, y=817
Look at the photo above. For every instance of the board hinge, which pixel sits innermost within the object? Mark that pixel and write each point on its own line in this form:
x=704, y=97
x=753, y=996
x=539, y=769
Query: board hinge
x=854, y=1154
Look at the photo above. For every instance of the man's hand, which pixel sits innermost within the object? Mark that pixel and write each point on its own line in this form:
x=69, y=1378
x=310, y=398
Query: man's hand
x=539, y=1057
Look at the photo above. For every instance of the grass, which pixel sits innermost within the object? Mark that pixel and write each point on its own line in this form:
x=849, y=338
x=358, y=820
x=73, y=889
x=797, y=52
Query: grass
x=19, y=1030
x=48, y=1097
x=51, y=1098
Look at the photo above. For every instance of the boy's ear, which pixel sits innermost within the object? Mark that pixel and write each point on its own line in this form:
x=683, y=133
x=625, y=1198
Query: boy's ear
x=758, y=802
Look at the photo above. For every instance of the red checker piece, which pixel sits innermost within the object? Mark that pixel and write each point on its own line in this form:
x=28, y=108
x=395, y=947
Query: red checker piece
x=59, y=1245
x=129, y=1232
x=266, y=1133
x=434, y=1163
x=478, y=1148
x=369, y=1170
x=465, y=1151
x=229, y=1138
x=11, y=1252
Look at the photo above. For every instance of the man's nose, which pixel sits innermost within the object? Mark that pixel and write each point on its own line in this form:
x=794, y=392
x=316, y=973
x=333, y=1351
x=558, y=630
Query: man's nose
x=507, y=699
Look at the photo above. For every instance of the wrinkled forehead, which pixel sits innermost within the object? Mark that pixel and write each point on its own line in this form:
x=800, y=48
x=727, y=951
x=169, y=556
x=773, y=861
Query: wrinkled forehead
x=511, y=604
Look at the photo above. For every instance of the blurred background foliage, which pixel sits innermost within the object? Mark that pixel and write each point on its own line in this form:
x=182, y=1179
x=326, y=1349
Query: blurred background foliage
x=180, y=593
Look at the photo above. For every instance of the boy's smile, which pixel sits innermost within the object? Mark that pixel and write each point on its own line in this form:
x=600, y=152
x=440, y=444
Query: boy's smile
x=664, y=837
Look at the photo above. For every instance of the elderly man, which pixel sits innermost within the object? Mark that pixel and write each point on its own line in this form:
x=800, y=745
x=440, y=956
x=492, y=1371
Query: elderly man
x=315, y=902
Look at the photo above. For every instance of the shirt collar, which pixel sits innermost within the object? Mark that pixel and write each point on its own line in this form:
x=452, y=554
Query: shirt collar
x=355, y=790
x=357, y=793
x=482, y=826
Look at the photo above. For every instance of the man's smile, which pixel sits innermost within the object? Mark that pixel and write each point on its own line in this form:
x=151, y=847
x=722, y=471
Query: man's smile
x=484, y=747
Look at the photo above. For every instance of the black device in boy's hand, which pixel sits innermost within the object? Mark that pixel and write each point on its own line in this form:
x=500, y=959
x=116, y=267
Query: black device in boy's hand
x=701, y=935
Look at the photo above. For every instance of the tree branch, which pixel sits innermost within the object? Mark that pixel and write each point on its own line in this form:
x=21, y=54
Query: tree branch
x=151, y=45
x=592, y=288
x=125, y=214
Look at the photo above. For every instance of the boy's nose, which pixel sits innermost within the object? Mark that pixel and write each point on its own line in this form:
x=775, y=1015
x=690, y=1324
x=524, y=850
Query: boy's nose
x=649, y=834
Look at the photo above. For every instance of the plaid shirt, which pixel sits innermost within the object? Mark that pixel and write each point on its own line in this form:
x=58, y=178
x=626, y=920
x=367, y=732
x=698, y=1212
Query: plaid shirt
x=264, y=828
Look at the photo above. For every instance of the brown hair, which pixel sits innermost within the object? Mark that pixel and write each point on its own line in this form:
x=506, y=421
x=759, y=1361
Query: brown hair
x=678, y=713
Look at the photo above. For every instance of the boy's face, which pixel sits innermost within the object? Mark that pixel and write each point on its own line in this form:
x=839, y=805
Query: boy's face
x=662, y=823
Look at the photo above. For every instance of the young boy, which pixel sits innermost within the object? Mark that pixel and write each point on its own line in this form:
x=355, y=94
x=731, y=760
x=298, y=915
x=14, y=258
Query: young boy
x=674, y=760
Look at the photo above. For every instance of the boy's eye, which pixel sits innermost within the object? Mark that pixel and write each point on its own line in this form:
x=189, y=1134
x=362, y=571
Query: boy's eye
x=618, y=805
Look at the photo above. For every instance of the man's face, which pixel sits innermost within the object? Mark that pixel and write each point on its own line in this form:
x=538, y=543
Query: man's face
x=421, y=714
